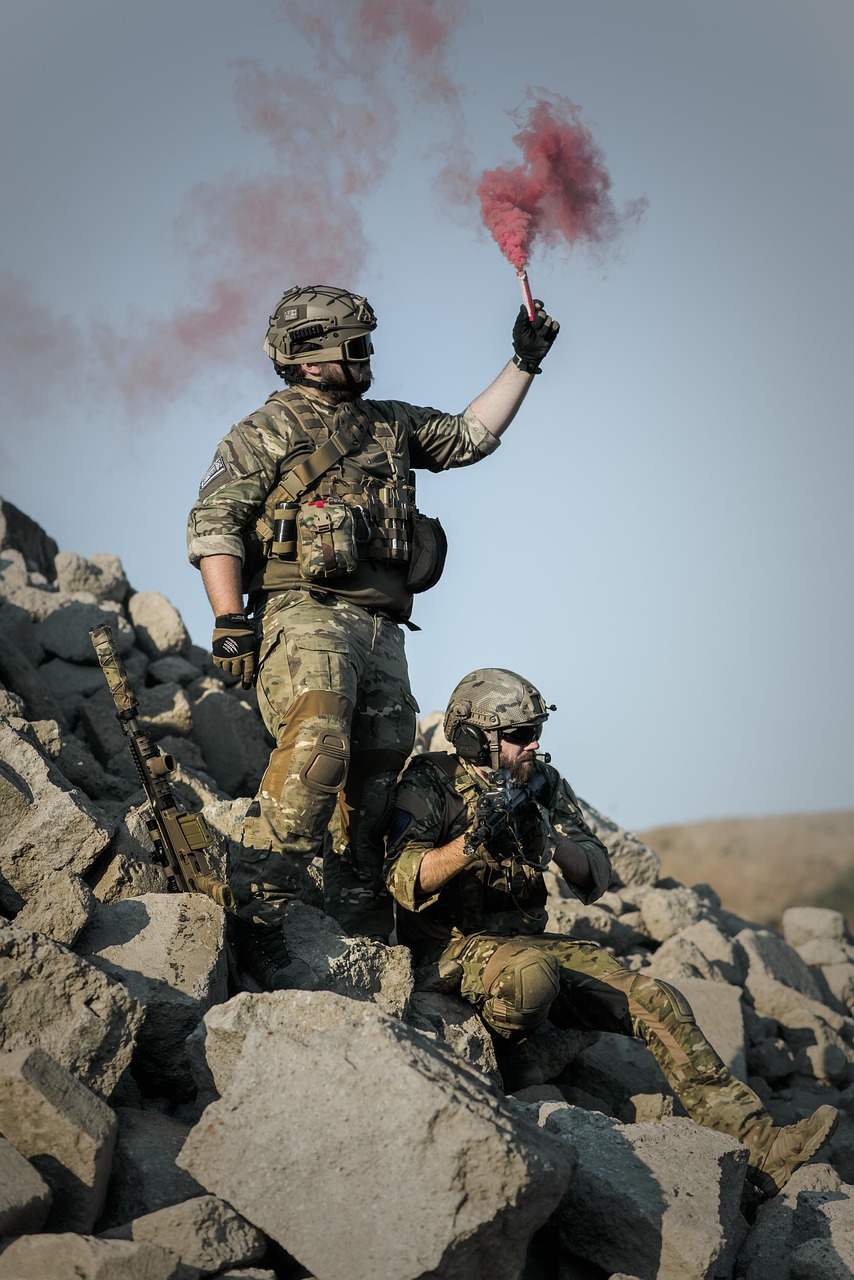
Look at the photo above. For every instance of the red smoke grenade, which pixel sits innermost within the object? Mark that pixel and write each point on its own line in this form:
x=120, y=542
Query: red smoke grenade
x=561, y=191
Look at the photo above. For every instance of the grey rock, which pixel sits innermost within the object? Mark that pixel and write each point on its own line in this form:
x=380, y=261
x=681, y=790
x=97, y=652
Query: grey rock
x=665, y=912
x=60, y=906
x=443, y=1176
x=205, y=1232
x=634, y=862
x=20, y=675
x=71, y=679
x=703, y=947
x=45, y=826
x=102, y=576
x=660, y=1202
x=160, y=630
x=19, y=532
x=231, y=738
x=454, y=1023
x=144, y=1176
x=64, y=1129
x=58, y=1001
x=87, y=1258
x=25, y=1197
x=65, y=632
x=807, y=924
x=174, y=669
x=169, y=951
x=17, y=628
x=354, y=967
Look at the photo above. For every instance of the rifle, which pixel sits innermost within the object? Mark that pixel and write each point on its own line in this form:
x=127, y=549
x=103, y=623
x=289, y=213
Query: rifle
x=501, y=814
x=180, y=839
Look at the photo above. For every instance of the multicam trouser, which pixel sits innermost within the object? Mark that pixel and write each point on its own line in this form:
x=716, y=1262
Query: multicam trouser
x=515, y=983
x=333, y=689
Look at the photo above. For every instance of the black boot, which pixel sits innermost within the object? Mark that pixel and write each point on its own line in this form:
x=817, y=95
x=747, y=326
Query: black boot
x=262, y=952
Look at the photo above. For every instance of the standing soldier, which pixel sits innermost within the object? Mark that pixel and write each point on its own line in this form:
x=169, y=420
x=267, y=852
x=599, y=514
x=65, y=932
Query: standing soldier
x=308, y=509
x=465, y=863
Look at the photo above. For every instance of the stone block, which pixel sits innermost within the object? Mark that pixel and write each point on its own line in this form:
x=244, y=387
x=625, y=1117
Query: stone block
x=205, y=1232
x=160, y=630
x=25, y=1197
x=169, y=951
x=144, y=1176
x=443, y=1176
x=59, y=1002
x=65, y=632
x=51, y=1257
x=64, y=1129
x=655, y=1201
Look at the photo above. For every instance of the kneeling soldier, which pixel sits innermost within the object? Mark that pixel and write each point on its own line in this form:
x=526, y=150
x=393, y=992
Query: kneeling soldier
x=470, y=837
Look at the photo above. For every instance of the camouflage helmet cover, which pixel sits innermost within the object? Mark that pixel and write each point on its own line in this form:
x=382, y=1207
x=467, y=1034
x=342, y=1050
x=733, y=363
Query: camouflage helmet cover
x=494, y=699
x=318, y=323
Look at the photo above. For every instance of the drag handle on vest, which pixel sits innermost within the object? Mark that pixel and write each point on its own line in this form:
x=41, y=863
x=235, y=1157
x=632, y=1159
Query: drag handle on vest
x=181, y=840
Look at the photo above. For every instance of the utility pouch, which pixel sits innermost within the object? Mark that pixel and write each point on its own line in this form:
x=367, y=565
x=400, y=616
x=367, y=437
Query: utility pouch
x=284, y=544
x=326, y=540
x=427, y=553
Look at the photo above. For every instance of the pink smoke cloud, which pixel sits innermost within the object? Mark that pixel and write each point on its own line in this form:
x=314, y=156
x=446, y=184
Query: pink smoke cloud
x=560, y=192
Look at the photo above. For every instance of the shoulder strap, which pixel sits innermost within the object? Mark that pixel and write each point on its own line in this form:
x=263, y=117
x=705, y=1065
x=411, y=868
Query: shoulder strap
x=348, y=432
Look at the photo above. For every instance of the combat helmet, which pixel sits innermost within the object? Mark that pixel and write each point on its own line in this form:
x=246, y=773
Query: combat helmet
x=317, y=323
x=487, y=703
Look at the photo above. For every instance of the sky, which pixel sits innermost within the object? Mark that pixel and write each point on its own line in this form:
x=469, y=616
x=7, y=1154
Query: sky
x=662, y=541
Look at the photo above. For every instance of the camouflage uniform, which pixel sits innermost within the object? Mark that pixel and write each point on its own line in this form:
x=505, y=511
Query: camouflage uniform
x=333, y=686
x=482, y=934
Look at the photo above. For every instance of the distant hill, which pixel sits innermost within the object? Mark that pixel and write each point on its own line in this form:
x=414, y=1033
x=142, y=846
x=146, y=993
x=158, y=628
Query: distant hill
x=760, y=866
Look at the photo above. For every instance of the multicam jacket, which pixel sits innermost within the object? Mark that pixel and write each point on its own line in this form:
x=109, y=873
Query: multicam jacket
x=434, y=803
x=235, y=512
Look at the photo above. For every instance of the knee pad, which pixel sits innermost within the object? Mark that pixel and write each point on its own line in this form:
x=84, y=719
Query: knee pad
x=664, y=1002
x=325, y=769
x=520, y=984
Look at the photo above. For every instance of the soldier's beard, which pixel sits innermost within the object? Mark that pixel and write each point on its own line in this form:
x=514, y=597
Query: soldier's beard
x=522, y=768
x=340, y=384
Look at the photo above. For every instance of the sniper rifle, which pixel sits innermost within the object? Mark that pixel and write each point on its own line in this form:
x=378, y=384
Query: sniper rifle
x=181, y=840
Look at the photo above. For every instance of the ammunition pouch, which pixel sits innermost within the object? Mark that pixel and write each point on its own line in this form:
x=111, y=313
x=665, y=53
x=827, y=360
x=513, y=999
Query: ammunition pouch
x=427, y=553
x=327, y=546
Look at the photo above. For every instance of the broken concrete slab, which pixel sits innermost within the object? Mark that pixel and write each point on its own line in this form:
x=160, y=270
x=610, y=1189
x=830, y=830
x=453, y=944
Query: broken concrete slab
x=25, y=1197
x=169, y=951
x=88, y=1258
x=61, y=1003
x=444, y=1176
x=65, y=1130
x=205, y=1232
x=144, y=1176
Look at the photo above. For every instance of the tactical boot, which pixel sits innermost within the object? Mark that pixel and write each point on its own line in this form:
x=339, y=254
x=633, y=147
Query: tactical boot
x=776, y=1156
x=262, y=952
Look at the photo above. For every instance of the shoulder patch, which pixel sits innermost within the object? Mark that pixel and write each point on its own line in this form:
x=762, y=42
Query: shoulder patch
x=400, y=822
x=214, y=471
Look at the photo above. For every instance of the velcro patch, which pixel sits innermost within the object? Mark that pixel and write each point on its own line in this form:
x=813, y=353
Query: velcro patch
x=400, y=822
x=217, y=468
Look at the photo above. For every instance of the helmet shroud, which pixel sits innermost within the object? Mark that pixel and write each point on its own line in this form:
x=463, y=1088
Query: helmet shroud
x=317, y=324
x=486, y=702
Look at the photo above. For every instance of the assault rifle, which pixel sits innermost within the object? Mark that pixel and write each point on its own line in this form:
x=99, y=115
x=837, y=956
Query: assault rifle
x=180, y=839
x=507, y=814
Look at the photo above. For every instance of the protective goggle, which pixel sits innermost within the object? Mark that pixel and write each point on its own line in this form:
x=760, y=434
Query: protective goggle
x=521, y=736
x=357, y=349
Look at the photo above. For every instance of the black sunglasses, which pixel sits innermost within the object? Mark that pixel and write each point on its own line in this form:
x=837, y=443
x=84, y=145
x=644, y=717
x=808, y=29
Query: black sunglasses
x=523, y=735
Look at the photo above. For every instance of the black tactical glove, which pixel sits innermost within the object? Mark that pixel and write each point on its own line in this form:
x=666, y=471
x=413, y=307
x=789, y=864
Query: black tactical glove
x=233, y=647
x=533, y=338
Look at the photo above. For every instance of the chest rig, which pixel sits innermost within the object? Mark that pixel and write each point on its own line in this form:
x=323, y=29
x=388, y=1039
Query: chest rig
x=360, y=461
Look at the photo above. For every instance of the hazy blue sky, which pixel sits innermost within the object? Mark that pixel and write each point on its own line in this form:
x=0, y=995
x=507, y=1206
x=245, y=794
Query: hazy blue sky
x=663, y=540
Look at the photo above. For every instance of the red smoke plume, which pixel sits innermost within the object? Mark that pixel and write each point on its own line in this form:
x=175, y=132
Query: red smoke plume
x=561, y=191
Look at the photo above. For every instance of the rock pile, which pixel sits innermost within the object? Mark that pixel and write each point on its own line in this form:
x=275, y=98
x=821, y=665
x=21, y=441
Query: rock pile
x=157, y=1121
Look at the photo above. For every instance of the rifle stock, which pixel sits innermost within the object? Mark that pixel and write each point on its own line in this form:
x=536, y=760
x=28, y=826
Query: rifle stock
x=180, y=839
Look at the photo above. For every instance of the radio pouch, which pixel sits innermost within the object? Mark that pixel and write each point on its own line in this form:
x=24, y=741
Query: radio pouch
x=427, y=554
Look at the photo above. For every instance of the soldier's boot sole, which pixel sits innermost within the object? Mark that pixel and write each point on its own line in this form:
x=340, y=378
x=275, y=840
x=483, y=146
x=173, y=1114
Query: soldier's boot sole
x=791, y=1147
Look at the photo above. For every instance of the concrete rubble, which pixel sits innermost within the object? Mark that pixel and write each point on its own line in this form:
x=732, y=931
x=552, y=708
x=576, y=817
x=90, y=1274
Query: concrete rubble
x=160, y=1119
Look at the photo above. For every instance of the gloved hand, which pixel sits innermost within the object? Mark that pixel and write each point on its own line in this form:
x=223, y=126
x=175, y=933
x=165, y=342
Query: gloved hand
x=233, y=647
x=532, y=339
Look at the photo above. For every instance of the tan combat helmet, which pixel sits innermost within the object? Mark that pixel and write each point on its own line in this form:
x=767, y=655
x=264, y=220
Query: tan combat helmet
x=484, y=704
x=317, y=323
